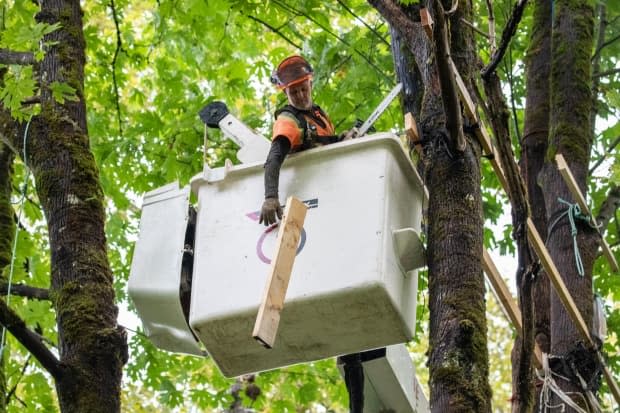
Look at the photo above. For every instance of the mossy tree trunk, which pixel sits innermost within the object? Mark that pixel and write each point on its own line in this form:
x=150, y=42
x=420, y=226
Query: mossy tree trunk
x=571, y=136
x=92, y=347
x=7, y=230
x=534, y=147
x=458, y=356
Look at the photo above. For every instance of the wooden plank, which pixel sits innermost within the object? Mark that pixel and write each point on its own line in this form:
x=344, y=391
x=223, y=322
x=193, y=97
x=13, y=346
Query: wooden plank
x=506, y=300
x=471, y=111
x=481, y=131
x=581, y=201
x=611, y=381
x=427, y=22
x=535, y=239
x=268, y=318
x=555, y=278
x=411, y=130
x=501, y=289
x=468, y=104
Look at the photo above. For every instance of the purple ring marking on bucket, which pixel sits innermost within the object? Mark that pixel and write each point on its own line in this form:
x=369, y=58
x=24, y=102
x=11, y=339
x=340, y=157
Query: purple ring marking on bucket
x=259, y=244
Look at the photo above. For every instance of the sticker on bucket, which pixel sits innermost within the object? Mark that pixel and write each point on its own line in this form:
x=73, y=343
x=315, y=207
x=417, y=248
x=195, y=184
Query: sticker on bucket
x=254, y=216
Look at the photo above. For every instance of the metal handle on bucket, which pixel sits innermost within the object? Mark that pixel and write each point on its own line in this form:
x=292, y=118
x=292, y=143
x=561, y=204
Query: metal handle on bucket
x=408, y=248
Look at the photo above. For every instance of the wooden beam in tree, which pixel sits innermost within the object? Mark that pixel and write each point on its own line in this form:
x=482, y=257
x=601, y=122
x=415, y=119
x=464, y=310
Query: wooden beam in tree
x=501, y=289
x=411, y=130
x=481, y=131
x=567, y=300
x=611, y=382
x=556, y=279
x=268, y=318
x=581, y=201
x=505, y=299
x=536, y=241
x=427, y=22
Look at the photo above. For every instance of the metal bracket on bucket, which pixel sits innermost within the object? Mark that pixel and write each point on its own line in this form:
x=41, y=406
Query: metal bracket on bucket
x=254, y=147
x=409, y=249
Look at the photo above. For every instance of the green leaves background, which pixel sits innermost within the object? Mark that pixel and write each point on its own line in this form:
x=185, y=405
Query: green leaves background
x=151, y=66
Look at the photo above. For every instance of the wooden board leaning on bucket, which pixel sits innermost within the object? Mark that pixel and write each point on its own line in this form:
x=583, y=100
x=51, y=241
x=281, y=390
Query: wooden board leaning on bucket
x=268, y=318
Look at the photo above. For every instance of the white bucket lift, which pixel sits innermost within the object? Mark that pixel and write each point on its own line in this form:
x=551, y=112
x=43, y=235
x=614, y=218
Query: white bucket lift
x=390, y=383
x=354, y=280
x=157, y=280
x=353, y=286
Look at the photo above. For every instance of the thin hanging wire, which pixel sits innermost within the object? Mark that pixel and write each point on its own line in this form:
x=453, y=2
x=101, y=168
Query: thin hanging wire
x=19, y=216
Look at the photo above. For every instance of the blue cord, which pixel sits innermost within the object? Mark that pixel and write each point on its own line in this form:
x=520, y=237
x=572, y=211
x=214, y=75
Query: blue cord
x=573, y=212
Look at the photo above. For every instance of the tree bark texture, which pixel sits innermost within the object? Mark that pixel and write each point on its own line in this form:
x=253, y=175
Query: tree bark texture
x=523, y=352
x=458, y=331
x=407, y=71
x=458, y=345
x=7, y=215
x=533, y=149
x=458, y=356
x=571, y=136
x=92, y=346
x=7, y=231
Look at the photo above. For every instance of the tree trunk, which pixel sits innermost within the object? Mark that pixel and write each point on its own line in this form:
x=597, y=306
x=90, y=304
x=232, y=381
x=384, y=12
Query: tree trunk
x=92, y=347
x=571, y=136
x=534, y=147
x=458, y=342
x=458, y=356
x=7, y=231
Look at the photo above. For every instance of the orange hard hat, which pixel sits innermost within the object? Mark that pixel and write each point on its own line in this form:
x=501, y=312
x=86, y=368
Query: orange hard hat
x=291, y=71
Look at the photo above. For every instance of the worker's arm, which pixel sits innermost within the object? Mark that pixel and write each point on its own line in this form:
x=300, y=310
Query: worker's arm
x=280, y=147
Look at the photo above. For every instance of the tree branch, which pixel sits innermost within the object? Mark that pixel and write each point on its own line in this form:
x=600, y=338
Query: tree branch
x=331, y=33
x=607, y=152
x=526, y=268
x=513, y=104
x=507, y=34
x=477, y=30
x=606, y=73
x=119, y=48
x=608, y=207
x=396, y=18
x=30, y=340
x=10, y=57
x=23, y=290
x=9, y=129
x=31, y=101
x=451, y=103
x=344, y=6
x=605, y=44
x=601, y=15
x=275, y=30
x=19, y=379
x=492, y=36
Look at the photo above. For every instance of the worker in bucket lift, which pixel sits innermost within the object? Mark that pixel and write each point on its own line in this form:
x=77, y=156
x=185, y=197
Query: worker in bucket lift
x=299, y=125
x=302, y=125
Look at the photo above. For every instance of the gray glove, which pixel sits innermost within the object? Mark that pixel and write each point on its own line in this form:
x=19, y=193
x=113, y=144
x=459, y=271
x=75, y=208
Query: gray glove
x=271, y=208
x=350, y=134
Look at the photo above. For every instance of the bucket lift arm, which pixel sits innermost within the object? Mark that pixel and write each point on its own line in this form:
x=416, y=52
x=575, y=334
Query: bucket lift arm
x=254, y=147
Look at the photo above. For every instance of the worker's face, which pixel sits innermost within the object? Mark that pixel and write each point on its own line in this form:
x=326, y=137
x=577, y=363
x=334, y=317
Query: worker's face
x=300, y=95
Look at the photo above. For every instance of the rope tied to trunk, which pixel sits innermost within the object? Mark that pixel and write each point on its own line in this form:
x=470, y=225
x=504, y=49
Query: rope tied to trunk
x=549, y=385
x=573, y=212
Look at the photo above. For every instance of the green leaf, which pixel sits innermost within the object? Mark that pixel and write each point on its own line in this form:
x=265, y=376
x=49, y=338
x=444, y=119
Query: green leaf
x=62, y=91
